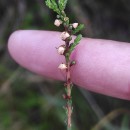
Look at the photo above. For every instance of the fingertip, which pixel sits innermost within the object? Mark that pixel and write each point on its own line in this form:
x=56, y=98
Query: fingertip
x=13, y=42
x=35, y=51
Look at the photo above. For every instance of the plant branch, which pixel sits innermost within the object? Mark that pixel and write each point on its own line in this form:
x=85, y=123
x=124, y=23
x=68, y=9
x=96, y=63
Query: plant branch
x=66, y=50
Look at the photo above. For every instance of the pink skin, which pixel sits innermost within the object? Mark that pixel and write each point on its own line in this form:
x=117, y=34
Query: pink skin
x=102, y=66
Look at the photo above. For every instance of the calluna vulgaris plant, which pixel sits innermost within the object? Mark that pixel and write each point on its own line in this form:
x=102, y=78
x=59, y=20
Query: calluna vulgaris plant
x=66, y=49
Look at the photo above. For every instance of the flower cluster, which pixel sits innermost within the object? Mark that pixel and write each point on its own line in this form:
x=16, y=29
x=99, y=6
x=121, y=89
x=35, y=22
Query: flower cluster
x=64, y=35
x=58, y=22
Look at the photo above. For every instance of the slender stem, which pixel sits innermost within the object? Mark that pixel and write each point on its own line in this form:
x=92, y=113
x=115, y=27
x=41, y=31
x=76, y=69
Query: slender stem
x=68, y=88
x=69, y=107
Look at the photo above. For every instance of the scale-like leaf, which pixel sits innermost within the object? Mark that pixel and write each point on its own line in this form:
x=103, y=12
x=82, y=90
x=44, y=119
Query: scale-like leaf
x=52, y=5
x=76, y=42
x=79, y=28
x=62, y=4
x=48, y=3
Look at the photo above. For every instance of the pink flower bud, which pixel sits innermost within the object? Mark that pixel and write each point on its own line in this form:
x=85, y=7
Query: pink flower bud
x=57, y=22
x=61, y=49
x=62, y=66
x=75, y=25
x=65, y=35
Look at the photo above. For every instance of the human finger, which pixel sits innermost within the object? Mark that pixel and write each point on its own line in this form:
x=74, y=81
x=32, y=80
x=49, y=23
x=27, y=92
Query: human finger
x=102, y=66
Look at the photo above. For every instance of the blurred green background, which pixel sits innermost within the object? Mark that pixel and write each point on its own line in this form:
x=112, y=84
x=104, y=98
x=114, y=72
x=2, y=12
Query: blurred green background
x=32, y=102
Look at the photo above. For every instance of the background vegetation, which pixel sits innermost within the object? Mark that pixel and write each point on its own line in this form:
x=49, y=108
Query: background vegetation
x=31, y=102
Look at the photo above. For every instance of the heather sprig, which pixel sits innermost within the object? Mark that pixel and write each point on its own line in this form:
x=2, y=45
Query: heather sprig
x=66, y=49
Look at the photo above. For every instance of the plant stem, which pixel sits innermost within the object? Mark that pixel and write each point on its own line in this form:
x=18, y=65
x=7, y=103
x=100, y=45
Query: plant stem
x=68, y=89
x=69, y=107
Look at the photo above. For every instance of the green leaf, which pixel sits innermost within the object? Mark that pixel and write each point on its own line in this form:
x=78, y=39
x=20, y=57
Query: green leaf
x=55, y=6
x=48, y=3
x=77, y=39
x=52, y=5
x=65, y=3
x=79, y=28
x=76, y=42
x=62, y=4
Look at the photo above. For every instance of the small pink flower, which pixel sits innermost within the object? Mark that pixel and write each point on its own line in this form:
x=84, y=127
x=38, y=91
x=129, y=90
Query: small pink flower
x=57, y=22
x=65, y=35
x=61, y=49
x=62, y=66
x=75, y=25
